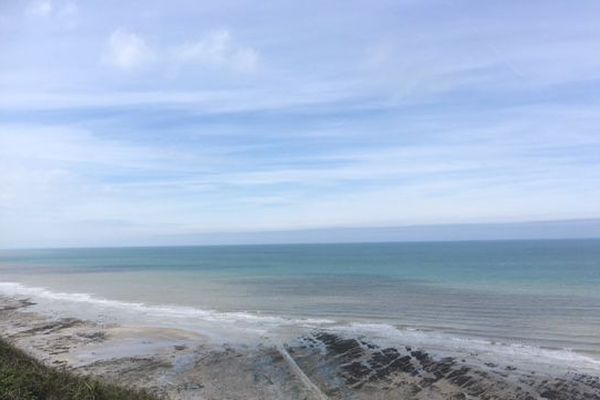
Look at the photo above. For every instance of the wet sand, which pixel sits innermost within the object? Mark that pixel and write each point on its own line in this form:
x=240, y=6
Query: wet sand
x=316, y=364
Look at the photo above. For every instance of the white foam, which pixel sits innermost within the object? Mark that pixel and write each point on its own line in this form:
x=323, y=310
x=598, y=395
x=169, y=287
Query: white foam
x=180, y=312
x=511, y=352
x=221, y=322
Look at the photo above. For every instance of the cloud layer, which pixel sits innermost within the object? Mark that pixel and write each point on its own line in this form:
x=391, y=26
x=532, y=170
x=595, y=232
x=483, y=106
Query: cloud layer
x=128, y=125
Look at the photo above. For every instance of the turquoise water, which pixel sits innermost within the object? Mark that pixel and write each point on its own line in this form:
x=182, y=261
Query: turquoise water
x=542, y=293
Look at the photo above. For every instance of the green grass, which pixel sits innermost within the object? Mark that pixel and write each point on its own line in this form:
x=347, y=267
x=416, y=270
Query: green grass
x=24, y=378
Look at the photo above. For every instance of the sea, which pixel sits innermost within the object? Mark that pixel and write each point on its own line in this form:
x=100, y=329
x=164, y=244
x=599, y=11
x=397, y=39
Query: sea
x=528, y=297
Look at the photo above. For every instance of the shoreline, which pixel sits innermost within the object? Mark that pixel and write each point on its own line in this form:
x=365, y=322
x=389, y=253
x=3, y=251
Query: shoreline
x=315, y=364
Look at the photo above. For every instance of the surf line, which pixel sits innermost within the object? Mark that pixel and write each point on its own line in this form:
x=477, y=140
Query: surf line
x=300, y=374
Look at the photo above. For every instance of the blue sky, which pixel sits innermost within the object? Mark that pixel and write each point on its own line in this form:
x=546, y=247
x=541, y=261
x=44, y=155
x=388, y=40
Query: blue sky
x=137, y=121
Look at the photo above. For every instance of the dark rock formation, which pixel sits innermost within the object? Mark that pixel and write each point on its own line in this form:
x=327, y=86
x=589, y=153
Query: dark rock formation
x=351, y=368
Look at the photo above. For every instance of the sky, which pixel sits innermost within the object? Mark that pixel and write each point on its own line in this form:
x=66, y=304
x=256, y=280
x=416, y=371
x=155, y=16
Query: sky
x=140, y=122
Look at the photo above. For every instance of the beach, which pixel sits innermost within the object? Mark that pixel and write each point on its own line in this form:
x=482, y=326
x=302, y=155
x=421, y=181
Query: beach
x=313, y=364
x=463, y=320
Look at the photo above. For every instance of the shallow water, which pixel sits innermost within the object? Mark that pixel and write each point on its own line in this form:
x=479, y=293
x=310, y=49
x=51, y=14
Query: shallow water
x=543, y=294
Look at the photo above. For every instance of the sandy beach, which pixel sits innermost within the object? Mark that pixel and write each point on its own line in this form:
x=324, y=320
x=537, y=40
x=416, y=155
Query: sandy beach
x=316, y=364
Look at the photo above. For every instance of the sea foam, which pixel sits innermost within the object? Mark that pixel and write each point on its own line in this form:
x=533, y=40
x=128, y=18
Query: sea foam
x=389, y=335
x=13, y=289
x=380, y=333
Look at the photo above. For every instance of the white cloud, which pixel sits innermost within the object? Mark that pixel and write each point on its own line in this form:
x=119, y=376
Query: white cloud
x=40, y=7
x=69, y=10
x=218, y=50
x=64, y=11
x=380, y=54
x=127, y=50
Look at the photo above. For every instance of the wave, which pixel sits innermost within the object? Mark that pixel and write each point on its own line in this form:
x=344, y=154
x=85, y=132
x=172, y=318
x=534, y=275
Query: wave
x=386, y=334
x=380, y=333
x=16, y=289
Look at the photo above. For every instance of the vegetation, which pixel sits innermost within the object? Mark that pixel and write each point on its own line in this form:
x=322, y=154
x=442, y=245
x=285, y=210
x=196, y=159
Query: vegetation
x=24, y=378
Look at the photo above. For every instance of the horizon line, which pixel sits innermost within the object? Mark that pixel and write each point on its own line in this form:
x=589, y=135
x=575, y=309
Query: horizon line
x=414, y=233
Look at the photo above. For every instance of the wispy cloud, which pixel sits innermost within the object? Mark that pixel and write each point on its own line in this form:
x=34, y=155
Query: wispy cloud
x=127, y=50
x=40, y=7
x=136, y=123
x=62, y=12
x=217, y=49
